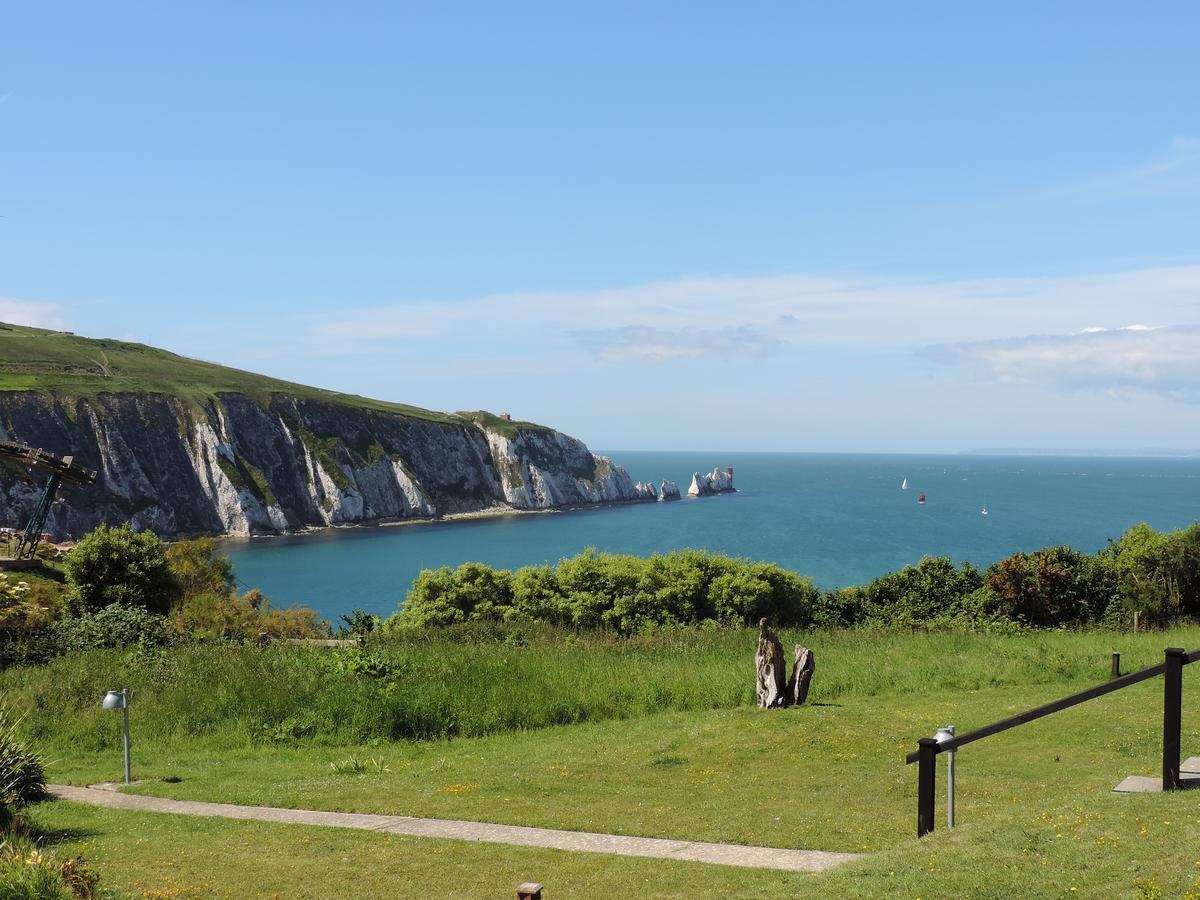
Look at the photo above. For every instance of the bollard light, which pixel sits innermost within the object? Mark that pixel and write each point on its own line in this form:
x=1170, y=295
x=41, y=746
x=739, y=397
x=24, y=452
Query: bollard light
x=120, y=700
x=941, y=736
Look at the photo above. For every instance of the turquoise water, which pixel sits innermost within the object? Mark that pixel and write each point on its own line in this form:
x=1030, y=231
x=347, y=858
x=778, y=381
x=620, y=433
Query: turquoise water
x=840, y=518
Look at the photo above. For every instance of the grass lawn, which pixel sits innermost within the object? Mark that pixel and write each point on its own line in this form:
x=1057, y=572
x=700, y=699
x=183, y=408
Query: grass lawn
x=1036, y=812
x=161, y=856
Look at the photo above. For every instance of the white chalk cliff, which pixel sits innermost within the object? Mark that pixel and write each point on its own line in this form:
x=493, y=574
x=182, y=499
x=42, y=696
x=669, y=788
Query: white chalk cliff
x=242, y=465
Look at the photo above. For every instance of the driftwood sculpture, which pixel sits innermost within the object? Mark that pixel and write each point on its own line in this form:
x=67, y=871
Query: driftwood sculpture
x=802, y=671
x=775, y=689
x=772, y=670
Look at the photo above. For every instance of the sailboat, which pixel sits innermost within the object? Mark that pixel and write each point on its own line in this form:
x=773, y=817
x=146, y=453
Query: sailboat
x=983, y=512
x=904, y=485
x=921, y=497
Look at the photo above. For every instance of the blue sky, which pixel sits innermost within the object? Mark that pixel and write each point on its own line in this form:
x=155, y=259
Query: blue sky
x=771, y=226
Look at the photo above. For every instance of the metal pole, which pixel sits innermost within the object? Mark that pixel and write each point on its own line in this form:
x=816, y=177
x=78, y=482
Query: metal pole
x=125, y=715
x=926, y=784
x=950, y=782
x=1172, y=717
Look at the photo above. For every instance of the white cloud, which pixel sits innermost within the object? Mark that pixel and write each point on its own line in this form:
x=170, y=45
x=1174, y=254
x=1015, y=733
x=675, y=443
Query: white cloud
x=647, y=344
x=27, y=312
x=1160, y=359
x=781, y=311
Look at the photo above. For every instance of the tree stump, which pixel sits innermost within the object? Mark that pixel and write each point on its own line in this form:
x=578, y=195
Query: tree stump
x=772, y=670
x=802, y=671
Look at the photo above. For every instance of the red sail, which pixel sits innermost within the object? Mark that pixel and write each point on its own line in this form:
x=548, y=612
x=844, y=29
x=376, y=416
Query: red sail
x=921, y=497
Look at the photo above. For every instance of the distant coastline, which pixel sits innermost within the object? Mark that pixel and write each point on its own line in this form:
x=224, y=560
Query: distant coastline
x=1135, y=453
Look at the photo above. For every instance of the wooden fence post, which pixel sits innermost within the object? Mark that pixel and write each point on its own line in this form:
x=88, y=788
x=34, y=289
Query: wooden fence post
x=1116, y=664
x=926, y=784
x=1172, y=717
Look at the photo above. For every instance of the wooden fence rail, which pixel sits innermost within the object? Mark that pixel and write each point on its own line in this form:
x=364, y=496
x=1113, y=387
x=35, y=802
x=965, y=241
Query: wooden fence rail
x=1171, y=668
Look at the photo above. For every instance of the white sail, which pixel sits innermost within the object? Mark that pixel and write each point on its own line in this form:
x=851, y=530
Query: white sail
x=904, y=485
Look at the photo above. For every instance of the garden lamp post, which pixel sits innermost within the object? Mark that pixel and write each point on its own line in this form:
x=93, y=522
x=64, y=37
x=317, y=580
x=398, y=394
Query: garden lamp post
x=941, y=736
x=120, y=700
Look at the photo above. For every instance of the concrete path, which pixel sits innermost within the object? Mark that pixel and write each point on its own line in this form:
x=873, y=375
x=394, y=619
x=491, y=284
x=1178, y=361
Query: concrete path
x=517, y=835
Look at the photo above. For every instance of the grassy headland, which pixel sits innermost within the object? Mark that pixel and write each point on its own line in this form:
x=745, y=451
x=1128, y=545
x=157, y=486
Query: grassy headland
x=37, y=359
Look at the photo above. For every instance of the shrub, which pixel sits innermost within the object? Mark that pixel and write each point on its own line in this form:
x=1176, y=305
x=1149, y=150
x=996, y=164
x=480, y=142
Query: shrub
x=928, y=593
x=537, y=598
x=1053, y=586
x=198, y=569
x=245, y=618
x=1156, y=573
x=119, y=565
x=359, y=624
x=626, y=593
x=24, y=608
x=22, y=775
x=355, y=662
x=116, y=625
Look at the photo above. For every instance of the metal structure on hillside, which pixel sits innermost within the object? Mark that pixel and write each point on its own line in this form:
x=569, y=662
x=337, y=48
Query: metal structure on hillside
x=59, y=469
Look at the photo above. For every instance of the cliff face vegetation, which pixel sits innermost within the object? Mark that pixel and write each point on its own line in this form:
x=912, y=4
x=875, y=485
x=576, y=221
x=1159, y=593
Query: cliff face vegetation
x=180, y=455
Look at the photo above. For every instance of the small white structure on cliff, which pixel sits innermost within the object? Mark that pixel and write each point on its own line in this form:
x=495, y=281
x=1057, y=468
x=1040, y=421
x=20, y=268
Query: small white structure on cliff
x=715, y=482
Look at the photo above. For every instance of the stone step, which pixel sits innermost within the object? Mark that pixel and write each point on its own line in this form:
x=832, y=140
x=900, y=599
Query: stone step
x=1189, y=774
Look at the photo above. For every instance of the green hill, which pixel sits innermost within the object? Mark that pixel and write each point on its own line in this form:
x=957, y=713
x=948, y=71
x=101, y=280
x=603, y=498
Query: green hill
x=60, y=362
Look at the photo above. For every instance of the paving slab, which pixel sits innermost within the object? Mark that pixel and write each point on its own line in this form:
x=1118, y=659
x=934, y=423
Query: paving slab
x=453, y=829
x=1152, y=784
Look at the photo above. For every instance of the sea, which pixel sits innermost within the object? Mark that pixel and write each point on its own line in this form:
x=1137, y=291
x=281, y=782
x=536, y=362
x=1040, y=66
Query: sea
x=840, y=518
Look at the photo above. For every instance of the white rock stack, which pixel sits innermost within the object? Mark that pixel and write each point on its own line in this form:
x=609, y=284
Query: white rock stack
x=646, y=490
x=717, y=481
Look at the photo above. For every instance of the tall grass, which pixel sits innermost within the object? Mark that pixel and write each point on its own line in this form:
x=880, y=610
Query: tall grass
x=453, y=683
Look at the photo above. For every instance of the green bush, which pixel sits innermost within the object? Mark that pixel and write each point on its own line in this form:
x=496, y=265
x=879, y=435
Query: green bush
x=1156, y=573
x=116, y=625
x=198, y=569
x=119, y=565
x=1153, y=572
x=22, y=774
x=1053, y=586
x=355, y=662
x=931, y=591
x=604, y=590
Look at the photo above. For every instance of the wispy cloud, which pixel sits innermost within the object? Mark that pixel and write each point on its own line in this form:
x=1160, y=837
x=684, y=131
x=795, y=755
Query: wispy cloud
x=1175, y=171
x=768, y=313
x=28, y=312
x=647, y=344
x=1160, y=359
